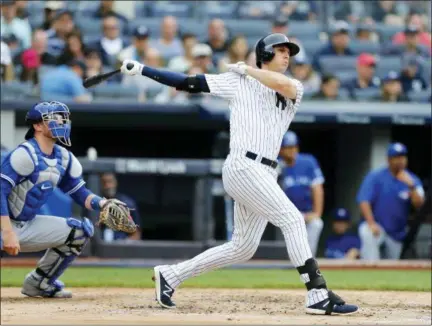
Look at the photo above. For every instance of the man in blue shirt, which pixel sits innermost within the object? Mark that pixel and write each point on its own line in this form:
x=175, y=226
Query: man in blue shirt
x=342, y=243
x=385, y=197
x=109, y=190
x=302, y=181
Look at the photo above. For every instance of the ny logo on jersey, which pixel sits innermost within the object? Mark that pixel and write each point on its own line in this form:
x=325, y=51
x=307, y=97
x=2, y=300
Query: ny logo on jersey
x=280, y=101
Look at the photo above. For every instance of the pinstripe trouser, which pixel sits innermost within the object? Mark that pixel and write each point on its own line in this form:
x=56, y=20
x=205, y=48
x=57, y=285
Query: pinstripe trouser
x=258, y=200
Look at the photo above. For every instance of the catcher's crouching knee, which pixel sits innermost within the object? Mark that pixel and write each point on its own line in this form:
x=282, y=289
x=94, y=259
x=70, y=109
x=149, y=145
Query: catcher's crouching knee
x=80, y=233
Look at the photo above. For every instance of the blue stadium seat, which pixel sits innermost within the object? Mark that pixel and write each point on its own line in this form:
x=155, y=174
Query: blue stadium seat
x=218, y=9
x=153, y=24
x=248, y=27
x=422, y=96
x=387, y=32
x=304, y=30
x=346, y=75
x=343, y=94
x=365, y=46
x=311, y=46
x=89, y=27
x=427, y=71
x=388, y=63
x=16, y=90
x=115, y=92
x=174, y=8
x=332, y=63
x=366, y=94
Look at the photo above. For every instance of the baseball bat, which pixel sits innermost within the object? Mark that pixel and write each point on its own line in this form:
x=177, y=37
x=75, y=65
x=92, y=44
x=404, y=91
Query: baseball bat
x=96, y=80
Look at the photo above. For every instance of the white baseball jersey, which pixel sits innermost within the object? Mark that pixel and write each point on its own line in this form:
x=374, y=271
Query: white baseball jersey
x=256, y=123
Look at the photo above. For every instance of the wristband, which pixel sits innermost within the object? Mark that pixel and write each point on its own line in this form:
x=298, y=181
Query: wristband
x=95, y=203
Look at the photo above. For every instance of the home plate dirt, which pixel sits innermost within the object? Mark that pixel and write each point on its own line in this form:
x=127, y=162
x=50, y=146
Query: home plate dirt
x=195, y=306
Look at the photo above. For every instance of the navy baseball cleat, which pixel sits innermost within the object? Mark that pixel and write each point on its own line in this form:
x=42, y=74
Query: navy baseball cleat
x=333, y=305
x=164, y=291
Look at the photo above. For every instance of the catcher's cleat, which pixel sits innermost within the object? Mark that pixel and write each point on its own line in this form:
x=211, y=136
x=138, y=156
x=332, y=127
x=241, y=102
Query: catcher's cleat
x=32, y=287
x=164, y=291
x=333, y=305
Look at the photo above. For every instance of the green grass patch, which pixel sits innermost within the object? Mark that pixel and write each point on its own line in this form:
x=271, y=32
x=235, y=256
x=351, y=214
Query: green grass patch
x=229, y=278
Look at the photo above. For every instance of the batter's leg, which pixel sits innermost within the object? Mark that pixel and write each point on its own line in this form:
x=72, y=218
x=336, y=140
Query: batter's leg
x=248, y=230
x=64, y=240
x=314, y=229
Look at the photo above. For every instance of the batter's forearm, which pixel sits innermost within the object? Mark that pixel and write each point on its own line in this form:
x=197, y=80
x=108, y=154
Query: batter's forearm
x=5, y=223
x=318, y=199
x=366, y=210
x=274, y=80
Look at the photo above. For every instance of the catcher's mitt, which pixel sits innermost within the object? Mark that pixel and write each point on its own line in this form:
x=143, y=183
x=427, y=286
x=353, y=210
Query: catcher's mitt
x=116, y=215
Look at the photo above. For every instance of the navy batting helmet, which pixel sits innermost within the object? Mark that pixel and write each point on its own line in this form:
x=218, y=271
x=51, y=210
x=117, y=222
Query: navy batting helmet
x=264, y=48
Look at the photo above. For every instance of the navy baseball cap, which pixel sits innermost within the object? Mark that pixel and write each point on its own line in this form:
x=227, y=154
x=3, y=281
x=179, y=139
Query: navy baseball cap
x=412, y=29
x=341, y=214
x=141, y=32
x=391, y=76
x=397, y=149
x=289, y=139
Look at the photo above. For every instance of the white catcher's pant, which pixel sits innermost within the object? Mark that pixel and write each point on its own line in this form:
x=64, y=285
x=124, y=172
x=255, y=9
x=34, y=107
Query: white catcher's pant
x=258, y=200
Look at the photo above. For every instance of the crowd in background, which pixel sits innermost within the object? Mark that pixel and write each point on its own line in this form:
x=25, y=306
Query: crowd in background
x=361, y=50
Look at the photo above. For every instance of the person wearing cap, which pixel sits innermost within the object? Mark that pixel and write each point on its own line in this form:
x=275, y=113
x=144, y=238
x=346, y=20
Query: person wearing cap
x=62, y=25
x=411, y=46
x=338, y=44
x=385, y=198
x=65, y=82
x=366, y=78
x=391, y=89
x=50, y=10
x=182, y=63
x=202, y=58
x=342, y=243
x=11, y=24
x=419, y=20
x=302, y=70
x=302, y=181
x=139, y=46
x=329, y=89
x=411, y=77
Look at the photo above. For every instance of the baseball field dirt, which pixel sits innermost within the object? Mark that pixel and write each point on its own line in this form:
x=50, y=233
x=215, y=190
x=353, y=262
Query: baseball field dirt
x=125, y=306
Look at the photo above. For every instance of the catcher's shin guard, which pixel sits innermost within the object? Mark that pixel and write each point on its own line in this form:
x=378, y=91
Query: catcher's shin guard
x=43, y=281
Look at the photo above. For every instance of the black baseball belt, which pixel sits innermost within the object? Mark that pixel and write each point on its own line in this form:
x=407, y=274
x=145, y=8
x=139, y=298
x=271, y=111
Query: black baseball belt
x=264, y=160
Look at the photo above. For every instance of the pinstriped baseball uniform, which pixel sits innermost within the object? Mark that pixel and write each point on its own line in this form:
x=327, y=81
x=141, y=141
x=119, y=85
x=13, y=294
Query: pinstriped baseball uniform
x=257, y=125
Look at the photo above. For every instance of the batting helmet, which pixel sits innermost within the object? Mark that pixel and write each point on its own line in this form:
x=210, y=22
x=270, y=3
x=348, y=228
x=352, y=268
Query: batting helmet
x=264, y=48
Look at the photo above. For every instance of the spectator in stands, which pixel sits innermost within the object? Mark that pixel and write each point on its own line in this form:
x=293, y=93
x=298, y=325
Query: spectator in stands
x=202, y=58
x=257, y=9
x=299, y=10
x=106, y=9
x=338, y=45
x=251, y=59
x=391, y=89
x=169, y=45
x=366, y=33
x=109, y=185
x=411, y=76
x=418, y=20
x=13, y=43
x=11, y=24
x=366, y=78
x=302, y=181
x=22, y=11
x=342, y=244
x=111, y=43
x=139, y=46
x=62, y=25
x=65, y=83
x=237, y=51
x=387, y=11
x=411, y=45
x=93, y=63
x=7, y=72
x=217, y=38
x=301, y=70
x=348, y=10
x=148, y=87
x=74, y=49
x=385, y=197
x=51, y=9
x=281, y=25
x=329, y=89
x=182, y=63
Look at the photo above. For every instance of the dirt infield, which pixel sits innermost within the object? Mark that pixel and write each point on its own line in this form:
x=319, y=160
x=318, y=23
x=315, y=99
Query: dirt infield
x=137, y=306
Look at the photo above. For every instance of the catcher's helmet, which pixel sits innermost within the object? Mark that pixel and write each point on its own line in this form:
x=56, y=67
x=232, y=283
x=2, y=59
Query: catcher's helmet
x=264, y=48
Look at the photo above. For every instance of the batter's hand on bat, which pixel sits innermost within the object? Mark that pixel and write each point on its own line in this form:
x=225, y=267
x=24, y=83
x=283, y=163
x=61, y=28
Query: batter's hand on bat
x=239, y=68
x=131, y=67
x=10, y=242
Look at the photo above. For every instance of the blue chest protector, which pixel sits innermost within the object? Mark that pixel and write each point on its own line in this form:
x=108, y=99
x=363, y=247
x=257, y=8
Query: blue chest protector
x=33, y=176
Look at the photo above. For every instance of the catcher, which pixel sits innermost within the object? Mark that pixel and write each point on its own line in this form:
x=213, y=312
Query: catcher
x=28, y=177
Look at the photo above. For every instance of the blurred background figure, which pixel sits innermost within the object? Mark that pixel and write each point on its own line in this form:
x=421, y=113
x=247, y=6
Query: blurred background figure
x=217, y=38
x=302, y=181
x=391, y=89
x=168, y=45
x=301, y=69
x=342, y=244
x=412, y=74
x=237, y=51
x=74, y=49
x=183, y=62
x=411, y=46
x=50, y=11
x=109, y=190
x=62, y=25
x=385, y=198
x=418, y=20
x=6, y=66
x=105, y=9
x=11, y=24
x=329, y=89
x=140, y=45
x=202, y=58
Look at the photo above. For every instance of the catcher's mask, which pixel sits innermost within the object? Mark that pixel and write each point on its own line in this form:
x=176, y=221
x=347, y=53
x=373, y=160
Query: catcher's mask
x=55, y=115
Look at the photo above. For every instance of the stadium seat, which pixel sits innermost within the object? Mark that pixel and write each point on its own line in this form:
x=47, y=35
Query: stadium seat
x=89, y=27
x=346, y=75
x=366, y=94
x=115, y=91
x=343, y=94
x=422, y=96
x=387, y=32
x=331, y=63
x=388, y=63
x=175, y=8
x=304, y=30
x=311, y=46
x=427, y=71
x=365, y=46
x=217, y=9
x=248, y=27
x=153, y=24
x=16, y=90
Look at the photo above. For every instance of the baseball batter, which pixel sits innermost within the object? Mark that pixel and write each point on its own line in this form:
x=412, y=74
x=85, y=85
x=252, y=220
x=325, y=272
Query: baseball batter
x=29, y=174
x=263, y=103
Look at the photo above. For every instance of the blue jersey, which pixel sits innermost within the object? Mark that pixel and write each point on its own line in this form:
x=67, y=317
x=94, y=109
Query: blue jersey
x=389, y=199
x=28, y=178
x=297, y=181
x=337, y=246
x=58, y=204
